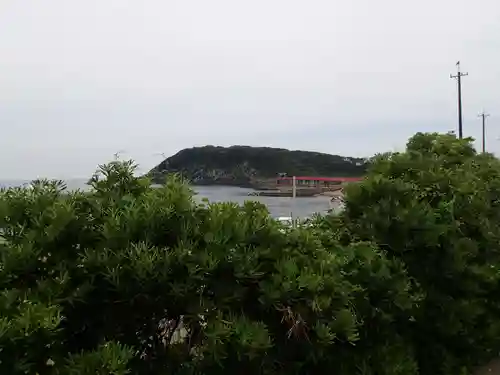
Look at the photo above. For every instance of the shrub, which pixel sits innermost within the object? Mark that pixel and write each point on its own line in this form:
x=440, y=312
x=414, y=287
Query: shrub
x=436, y=208
x=130, y=279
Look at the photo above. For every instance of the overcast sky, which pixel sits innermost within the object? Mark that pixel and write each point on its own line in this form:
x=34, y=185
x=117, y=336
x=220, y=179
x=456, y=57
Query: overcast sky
x=82, y=79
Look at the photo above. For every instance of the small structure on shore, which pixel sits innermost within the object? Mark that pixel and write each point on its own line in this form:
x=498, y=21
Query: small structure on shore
x=304, y=182
x=323, y=183
x=303, y=186
x=286, y=193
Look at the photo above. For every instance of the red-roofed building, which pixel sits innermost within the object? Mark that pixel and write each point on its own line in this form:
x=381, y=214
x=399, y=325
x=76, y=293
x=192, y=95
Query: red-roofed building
x=320, y=182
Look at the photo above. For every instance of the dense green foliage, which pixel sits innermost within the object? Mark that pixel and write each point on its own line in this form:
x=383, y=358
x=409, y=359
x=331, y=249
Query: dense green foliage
x=239, y=165
x=130, y=279
x=436, y=207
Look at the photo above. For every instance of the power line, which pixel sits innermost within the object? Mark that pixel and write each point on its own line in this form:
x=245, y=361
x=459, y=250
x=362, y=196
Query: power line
x=484, y=115
x=459, y=82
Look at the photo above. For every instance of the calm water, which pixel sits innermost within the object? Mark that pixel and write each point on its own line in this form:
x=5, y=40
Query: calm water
x=278, y=206
x=300, y=207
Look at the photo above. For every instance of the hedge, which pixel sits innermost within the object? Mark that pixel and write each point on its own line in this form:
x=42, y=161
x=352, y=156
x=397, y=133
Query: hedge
x=131, y=279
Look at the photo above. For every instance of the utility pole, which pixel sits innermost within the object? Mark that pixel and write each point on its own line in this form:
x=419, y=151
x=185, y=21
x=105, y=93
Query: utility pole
x=484, y=115
x=459, y=80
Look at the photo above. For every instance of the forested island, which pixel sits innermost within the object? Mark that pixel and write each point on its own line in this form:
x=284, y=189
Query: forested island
x=243, y=165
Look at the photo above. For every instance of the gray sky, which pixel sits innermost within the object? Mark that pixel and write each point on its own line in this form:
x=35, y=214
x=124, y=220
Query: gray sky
x=82, y=79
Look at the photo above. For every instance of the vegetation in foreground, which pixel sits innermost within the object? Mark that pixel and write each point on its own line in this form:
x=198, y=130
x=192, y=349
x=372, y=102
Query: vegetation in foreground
x=243, y=165
x=129, y=279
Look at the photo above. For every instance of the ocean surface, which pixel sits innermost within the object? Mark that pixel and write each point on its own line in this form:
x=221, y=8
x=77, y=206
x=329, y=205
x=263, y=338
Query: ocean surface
x=278, y=206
